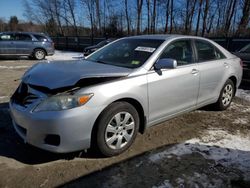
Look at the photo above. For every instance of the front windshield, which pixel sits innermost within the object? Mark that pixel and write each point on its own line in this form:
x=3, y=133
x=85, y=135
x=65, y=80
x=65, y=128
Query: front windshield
x=130, y=53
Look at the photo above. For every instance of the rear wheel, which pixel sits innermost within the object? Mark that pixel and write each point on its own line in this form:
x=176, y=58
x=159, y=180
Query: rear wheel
x=39, y=54
x=226, y=96
x=117, y=128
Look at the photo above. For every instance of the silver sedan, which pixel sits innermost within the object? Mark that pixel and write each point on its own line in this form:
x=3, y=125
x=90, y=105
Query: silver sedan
x=104, y=100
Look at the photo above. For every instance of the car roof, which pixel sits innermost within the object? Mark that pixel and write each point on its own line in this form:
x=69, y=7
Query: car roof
x=22, y=32
x=165, y=36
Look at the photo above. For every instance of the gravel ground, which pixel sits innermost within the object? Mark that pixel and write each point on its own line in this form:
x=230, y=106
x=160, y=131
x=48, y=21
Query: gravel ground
x=198, y=162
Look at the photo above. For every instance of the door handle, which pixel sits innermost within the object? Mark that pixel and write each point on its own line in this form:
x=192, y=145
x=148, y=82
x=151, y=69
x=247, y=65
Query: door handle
x=195, y=71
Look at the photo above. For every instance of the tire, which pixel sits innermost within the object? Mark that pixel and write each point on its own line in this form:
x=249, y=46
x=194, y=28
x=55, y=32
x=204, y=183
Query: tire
x=39, y=54
x=226, y=96
x=117, y=128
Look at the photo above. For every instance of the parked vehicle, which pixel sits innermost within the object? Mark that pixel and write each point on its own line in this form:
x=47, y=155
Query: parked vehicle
x=90, y=49
x=129, y=85
x=244, y=54
x=34, y=45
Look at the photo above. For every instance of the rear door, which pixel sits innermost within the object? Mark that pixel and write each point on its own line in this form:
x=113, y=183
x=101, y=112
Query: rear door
x=24, y=44
x=212, y=66
x=7, y=44
x=172, y=91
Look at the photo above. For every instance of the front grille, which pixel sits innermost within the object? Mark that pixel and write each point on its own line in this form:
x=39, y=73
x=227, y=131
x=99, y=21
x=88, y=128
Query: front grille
x=23, y=96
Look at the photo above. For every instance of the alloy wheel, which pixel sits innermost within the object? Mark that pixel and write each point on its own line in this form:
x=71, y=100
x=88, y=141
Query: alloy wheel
x=119, y=130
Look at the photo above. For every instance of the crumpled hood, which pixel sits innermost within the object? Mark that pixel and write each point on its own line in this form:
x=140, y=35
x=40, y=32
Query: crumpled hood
x=57, y=74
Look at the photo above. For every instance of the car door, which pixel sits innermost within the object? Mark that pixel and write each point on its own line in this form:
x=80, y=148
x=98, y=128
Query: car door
x=23, y=43
x=212, y=66
x=172, y=91
x=7, y=46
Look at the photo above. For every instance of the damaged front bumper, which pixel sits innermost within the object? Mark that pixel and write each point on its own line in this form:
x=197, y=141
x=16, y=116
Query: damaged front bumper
x=56, y=131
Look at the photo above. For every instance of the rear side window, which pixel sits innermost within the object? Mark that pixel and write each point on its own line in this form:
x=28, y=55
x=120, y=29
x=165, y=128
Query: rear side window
x=181, y=51
x=23, y=37
x=207, y=51
x=41, y=38
x=6, y=37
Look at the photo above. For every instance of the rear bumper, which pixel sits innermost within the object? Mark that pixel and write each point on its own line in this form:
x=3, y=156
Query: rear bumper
x=50, y=51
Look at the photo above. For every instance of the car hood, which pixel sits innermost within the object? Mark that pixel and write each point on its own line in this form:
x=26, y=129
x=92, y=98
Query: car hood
x=58, y=74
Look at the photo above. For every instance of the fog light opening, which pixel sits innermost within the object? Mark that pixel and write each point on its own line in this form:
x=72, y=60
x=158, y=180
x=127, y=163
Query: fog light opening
x=52, y=139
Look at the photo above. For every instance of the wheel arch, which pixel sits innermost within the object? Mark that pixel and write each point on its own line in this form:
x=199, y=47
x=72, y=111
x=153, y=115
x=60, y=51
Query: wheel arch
x=135, y=103
x=40, y=48
x=234, y=80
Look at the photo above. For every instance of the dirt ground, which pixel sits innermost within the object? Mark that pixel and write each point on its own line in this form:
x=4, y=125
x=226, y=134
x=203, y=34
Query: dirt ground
x=22, y=165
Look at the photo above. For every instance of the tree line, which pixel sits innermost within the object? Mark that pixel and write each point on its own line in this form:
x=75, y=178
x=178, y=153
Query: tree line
x=113, y=18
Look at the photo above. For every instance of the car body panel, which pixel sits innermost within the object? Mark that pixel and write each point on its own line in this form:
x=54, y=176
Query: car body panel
x=162, y=94
x=245, y=57
x=210, y=79
x=172, y=84
x=7, y=47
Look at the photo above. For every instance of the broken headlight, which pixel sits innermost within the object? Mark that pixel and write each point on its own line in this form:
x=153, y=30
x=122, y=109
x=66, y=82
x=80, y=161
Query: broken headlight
x=62, y=102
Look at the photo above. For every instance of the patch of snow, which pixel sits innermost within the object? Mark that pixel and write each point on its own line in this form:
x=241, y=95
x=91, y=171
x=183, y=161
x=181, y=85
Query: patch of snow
x=14, y=67
x=218, y=145
x=243, y=94
x=65, y=55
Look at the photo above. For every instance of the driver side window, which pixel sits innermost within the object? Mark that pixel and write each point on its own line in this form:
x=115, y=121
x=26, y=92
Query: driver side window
x=181, y=51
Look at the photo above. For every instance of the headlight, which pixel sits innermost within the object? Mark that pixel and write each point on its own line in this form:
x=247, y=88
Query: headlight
x=62, y=102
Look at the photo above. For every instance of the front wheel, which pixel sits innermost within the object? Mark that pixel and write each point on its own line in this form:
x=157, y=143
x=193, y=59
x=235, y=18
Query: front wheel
x=226, y=96
x=117, y=128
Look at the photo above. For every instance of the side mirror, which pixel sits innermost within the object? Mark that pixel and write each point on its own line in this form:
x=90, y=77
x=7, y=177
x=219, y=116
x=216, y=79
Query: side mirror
x=165, y=63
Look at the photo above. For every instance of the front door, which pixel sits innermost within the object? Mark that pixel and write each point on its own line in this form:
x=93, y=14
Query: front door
x=171, y=91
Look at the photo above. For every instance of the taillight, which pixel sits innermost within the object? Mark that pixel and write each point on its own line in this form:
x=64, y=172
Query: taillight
x=241, y=63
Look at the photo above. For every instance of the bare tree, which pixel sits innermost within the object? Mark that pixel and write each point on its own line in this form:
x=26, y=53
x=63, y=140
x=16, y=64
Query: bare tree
x=245, y=18
x=13, y=23
x=171, y=16
x=198, y=18
x=127, y=16
x=148, y=16
x=205, y=18
x=189, y=13
x=139, y=13
x=98, y=17
x=71, y=5
x=153, y=20
x=167, y=16
x=229, y=15
x=91, y=13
